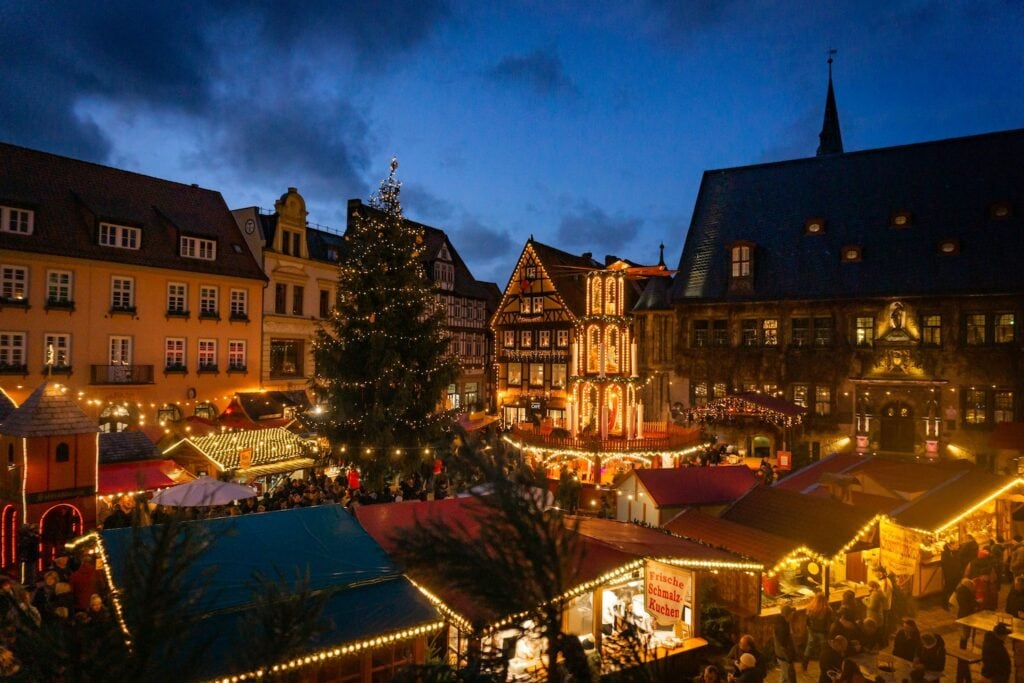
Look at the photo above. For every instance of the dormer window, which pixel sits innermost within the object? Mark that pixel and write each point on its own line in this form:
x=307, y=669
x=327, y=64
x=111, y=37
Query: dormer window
x=195, y=247
x=18, y=221
x=443, y=253
x=900, y=219
x=291, y=242
x=741, y=259
x=950, y=247
x=333, y=254
x=119, y=236
x=814, y=226
x=851, y=253
x=1000, y=211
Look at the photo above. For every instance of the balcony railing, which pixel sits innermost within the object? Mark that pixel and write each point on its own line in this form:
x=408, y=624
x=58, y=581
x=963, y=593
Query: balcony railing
x=659, y=436
x=121, y=374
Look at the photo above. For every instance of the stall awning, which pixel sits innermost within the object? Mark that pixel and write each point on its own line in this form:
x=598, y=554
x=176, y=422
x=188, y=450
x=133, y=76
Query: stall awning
x=143, y=475
x=292, y=465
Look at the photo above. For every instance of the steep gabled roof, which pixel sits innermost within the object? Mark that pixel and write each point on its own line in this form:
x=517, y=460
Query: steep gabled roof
x=655, y=295
x=126, y=446
x=48, y=411
x=567, y=272
x=950, y=190
x=684, y=486
x=70, y=198
x=825, y=526
x=7, y=405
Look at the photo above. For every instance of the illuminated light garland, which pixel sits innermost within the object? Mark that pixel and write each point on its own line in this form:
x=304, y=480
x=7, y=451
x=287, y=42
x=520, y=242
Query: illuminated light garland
x=575, y=453
x=724, y=408
x=461, y=622
x=1018, y=481
x=115, y=593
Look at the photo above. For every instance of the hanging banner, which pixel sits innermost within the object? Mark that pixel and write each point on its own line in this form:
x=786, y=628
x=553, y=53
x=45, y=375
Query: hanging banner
x=245, y=458
x=899, y=548
x=667, y=590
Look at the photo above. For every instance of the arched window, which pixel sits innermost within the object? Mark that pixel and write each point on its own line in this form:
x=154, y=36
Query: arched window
x=594, y=349
x=611, y=306
x=169, y=412
x=114, y=418
x=595, y=295
x=206, y=410
x=611, y=354
x=63, y=452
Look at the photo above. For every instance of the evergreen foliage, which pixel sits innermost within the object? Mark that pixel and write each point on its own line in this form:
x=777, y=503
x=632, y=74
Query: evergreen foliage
x=381, y=356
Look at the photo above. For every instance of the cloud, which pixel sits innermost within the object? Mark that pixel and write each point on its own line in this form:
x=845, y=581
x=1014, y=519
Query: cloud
x=486, y=250
x=540, y=71
x=424, y=206
x=591, y=227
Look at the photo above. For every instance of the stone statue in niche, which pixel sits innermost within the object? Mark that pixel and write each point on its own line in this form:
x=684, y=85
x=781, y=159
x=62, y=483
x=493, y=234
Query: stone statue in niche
x=896, y=315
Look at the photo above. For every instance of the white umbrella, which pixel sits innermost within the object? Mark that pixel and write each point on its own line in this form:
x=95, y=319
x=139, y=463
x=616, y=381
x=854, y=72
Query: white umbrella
x=203, y=491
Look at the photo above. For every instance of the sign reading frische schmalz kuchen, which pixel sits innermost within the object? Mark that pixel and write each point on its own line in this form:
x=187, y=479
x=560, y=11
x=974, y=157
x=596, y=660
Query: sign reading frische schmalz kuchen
x=667, y=591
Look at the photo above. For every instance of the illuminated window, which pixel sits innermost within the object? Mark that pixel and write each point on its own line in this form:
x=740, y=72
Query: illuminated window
x=562, y=338
x=61, y=348
x=740, y=260
x=174, y=353
x=800, y=395
x=700, y=333
x=544, y=339
x=12, y=351
x=58, y=287
x=236, y=355
x=1002, y=329
x=122, y=294
x=1002, y=402
x=536, y=374
x=700, y=394
x=749, y=333
x=119, y=236
x=194, y=247
x=207, y=355
x=718, y=390
x=770, y=389
x=531, y=271
x=595, y=295
x=509, y=339
x=286, y=357
x=470, y=393
x=975, y=406
x=822, y=400
x=526, y=339
x=538, y=304
x=515, y=374
x=18, y=221
x=13, y=283
x=770, y=332
x=975, y=329
x=864, y=334
x=931, y=330
x=207, y=411
x=558, y=376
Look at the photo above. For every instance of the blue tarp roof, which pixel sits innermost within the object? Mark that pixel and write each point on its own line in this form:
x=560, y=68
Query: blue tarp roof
x=369, y=596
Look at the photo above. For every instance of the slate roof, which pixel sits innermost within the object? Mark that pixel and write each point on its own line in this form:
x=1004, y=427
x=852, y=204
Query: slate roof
x=760, y=546
x=656, y=295
x=70, y=198
x=7, y=406
x=126, y=446
x=949, y=187
x=568, y=273
x=679, y=486
x=823, y=525
x=48, y=411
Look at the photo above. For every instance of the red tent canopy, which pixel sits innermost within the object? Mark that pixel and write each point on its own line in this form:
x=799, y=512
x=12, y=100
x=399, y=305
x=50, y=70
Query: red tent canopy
x=142, y=475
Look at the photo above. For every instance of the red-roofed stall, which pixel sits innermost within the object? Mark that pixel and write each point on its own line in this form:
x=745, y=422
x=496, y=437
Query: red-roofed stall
x=654, y=496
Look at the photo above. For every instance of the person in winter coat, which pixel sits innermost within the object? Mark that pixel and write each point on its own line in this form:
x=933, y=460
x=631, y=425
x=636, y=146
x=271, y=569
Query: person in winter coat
x=966, y=605
x=932, y=654
x=875, y=603
x=785, y=648
x=749, y=672
x=995, y=660
x=907, y=643
x=819, y=620
x=1015, y=598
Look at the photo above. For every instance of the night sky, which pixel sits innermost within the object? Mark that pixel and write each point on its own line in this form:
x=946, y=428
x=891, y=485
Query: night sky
x=587, y=125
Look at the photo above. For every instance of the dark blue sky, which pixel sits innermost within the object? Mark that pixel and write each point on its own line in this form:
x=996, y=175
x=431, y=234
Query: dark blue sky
x=587, y=125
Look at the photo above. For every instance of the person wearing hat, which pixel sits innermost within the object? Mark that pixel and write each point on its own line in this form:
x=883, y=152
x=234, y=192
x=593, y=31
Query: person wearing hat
x=749, y=672
x=746, y=645
x=907, y=642
x=785, y=648
x=932, y=654
x=995, y=660
x=62, y=565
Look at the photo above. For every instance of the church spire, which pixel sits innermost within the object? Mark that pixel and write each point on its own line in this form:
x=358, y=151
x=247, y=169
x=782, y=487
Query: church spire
x=830, y=139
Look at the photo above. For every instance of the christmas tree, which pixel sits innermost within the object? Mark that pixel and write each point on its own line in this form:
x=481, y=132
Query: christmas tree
x=382, y=362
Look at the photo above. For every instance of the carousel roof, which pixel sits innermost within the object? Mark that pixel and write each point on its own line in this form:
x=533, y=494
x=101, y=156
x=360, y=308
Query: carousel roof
x=49, y=411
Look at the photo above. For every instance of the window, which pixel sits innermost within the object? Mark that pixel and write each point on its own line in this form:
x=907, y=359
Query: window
x=801, y=332
x=531, y=271
x=119, y=236
x=975, y=323
x=333, y=254
x=207, y=354
x=239, y=304
x=57, y=350
x=509, y=339
x=280, y=299
x=174, y=353
x=515, y=374
x=770, y=389
x=822, y=400
x=453, y=396
x=558, y=376
x=823, y=332
x=13, y=283
x=16, y=220
x=1002, y=328
x=194, y=247
x=471, y=393
x=122, y=294
x=718, y=390
x=538, y=304
x=750, y=333
x=662, y=338
x=800, y=395
x=526, y=339
x=286, y=356
x=931, y=330
x=864, y=332
x=58, y=287
x=700, y=394
x=544, y=339
x=207, y=302
x=236, y=355
x=975, y=406
x=12, y=350
x=1003, y=404
x=536, y=374
x=298, y=293
x=562, y=338
x=207, y=411
x=63, y=452
x=177, y=298
x=700, y=333
x=740, y=257
x=291, y=243
x=770, y=332
x=444, y=275
x=325, y=303
x=720, y=332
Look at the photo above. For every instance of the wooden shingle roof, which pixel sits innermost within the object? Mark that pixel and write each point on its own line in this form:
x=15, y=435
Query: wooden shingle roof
x=49, y=411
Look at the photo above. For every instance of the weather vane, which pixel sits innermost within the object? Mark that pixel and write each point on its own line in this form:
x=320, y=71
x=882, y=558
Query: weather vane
x=831, y=51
